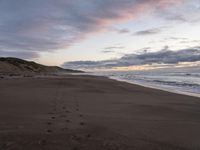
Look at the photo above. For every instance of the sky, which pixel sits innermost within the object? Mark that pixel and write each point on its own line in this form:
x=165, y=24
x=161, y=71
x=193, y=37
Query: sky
x=102, y=34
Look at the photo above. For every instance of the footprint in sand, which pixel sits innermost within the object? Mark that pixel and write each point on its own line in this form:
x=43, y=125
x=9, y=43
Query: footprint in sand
x=67, y=121
x=88, y=135
x=49, y=123
x=42, y=142
x=49, y=131
x=82, y=123
x=53, y=117
x=67, y=111
x=76, y=138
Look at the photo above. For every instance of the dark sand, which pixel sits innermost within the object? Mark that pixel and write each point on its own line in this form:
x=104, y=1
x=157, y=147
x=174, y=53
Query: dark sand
x=94, y=113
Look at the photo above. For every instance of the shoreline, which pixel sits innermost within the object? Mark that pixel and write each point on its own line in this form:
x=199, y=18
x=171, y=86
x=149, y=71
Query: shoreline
x=157, y=88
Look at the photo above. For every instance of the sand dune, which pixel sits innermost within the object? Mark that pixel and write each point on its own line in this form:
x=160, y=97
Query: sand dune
x=94, y=113
x=9, y=65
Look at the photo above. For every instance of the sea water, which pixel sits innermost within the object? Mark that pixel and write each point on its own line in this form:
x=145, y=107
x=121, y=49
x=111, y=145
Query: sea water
x=179, y=81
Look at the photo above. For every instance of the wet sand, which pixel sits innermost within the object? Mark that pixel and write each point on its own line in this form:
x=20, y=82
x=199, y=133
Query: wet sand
x=94, y=113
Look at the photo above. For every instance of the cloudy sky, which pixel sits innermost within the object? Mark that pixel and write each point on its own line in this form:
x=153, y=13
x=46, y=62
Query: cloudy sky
x=101, y=33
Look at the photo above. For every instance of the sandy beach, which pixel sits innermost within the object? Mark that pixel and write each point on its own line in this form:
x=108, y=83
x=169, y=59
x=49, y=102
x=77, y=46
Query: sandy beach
x=77, y=112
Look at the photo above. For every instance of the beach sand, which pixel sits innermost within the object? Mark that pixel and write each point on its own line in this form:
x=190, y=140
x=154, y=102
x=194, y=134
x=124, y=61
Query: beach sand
x=77, y=112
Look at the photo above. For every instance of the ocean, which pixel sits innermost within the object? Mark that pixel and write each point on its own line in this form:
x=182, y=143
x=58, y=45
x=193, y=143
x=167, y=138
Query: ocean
x=183, y=81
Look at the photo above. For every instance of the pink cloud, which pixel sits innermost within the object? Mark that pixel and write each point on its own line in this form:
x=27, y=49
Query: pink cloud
x=50, y=25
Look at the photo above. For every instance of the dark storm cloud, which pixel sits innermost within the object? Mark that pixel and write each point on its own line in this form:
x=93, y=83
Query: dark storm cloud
x=46, y=25
x=161, y=57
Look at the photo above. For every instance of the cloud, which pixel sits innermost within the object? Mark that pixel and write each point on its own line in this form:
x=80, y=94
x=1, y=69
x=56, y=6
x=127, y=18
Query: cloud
x=176, y=38
x=107, y=51
x=124, y=31
x=48, y=25
x=121, y=31
x=111, y=49
x=148, y=32
x=179, y=18
x=89, y=64
x=164, y=56
x=184, y=19
x=189, y=12
x=19, y=54
x=114, y=47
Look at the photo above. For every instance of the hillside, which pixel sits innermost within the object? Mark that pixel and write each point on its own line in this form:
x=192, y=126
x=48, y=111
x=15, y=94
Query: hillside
x=16, y=65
